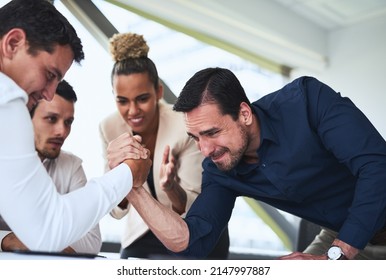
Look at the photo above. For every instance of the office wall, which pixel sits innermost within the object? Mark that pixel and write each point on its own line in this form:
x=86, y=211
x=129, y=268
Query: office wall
x=357, y=67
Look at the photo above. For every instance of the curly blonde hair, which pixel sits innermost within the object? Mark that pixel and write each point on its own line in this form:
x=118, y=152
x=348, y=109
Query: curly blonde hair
x=128, y=45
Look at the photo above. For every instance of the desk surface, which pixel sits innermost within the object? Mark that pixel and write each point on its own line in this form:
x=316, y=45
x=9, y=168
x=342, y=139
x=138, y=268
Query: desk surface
x=44, y=256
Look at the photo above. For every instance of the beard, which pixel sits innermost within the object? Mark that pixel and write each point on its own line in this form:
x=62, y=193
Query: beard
x=50, y=154
x=234, y=156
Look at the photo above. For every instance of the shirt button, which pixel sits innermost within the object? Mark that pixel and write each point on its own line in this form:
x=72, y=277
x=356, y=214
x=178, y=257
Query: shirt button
x=263, y=165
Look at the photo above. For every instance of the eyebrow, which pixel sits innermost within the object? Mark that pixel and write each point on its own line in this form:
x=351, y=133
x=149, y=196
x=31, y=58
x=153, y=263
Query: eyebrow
x=205, y=132
x=146, y=94
x=50, y=114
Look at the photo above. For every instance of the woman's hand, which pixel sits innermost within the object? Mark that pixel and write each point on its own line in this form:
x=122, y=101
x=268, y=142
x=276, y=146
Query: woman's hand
x=168, y=170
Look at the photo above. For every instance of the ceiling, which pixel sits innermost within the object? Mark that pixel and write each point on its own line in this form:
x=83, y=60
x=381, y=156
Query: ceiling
x=333, y=14
x=281, y=34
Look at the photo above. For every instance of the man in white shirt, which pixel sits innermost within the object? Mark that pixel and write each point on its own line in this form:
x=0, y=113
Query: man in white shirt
x=37, y=47
x=52, y=123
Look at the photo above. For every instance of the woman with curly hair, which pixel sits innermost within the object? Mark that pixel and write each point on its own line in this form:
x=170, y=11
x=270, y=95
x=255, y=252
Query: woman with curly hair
x=175, y=177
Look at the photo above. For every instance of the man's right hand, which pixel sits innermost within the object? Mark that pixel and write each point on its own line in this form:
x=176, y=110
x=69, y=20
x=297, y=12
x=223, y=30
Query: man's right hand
x=125, y=147
x=140, y=169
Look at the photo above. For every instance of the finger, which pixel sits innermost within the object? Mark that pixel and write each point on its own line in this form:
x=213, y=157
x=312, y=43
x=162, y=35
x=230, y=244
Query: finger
x=145, y=153
x=115, y=158
x=126, y=139
x=165, y=157
x=173, y=160
x=138, y=138
x=287, y=257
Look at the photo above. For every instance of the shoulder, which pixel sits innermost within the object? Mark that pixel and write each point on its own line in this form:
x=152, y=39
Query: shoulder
x=112, y=126
x=167, y=114
x=111, y=119
x=298, y=90
x=172, y=130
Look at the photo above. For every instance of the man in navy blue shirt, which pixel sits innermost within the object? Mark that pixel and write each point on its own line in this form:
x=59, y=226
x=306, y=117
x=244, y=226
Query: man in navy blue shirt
x=304, y=149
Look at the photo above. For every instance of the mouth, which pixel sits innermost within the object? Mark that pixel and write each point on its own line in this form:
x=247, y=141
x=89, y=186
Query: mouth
x=217, y=156
x=57, y=143
x=136, y=121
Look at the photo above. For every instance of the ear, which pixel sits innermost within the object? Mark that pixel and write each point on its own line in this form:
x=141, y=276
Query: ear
x=160, y=90
x=245, y=113
x=12, y=41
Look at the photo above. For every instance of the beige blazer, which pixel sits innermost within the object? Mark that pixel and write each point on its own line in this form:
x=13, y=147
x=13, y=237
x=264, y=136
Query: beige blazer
x=171, y=131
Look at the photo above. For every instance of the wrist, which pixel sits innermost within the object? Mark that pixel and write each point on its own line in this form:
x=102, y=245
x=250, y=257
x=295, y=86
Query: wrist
x=135, y=193
x=168, y=187
x=335, y=253
x=349, y=251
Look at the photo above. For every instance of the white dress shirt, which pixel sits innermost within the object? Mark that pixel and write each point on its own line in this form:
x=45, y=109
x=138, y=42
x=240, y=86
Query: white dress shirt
x=68, y=175
x=42, y=218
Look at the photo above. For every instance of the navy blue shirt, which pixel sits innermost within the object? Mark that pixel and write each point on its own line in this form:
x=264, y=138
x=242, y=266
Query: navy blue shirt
x=320, y=158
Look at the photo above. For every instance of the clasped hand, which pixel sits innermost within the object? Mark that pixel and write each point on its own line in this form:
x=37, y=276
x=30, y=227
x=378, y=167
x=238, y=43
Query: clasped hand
x=128, y=149
x=125, y=147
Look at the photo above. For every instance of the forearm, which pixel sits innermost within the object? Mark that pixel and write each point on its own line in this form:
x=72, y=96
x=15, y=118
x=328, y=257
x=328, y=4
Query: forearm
x=167, y=225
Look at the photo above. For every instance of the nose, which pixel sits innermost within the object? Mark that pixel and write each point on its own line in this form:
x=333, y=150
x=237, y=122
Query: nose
x=133, y=108
x=205, y=147
x=49, y=91
x=61, y=130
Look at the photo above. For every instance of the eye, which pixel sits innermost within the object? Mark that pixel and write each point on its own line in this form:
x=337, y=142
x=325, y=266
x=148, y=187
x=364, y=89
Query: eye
x=143, y=99
x=121, y=101
x=68, y=123
x=212, y=133
x=51, y=119
x=193, y=137
x=50, y=76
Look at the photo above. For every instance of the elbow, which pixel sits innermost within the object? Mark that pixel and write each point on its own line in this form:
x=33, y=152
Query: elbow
x=177, y=247
x=180, y=240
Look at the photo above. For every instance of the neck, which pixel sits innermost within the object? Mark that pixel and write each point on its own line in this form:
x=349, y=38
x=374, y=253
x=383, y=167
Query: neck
x=250, y=154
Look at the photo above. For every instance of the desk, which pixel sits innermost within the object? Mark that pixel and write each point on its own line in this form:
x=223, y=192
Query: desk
x=45, y=256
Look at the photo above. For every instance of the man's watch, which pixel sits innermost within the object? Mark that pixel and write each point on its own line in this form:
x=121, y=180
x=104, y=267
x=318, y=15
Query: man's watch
x=335, y=253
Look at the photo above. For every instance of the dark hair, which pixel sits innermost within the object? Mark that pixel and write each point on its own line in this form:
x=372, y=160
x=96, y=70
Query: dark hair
x=64, y=90
x=136, y=65
x=44, y=25
x=212, y=85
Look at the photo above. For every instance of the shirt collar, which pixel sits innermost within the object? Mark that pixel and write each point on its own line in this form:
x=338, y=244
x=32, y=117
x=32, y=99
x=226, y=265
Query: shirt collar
x=266, y=130
x=9, y=90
